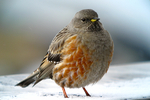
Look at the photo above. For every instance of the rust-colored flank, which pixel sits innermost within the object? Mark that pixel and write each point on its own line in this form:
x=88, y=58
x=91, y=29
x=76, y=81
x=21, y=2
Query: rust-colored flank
x=76, y=62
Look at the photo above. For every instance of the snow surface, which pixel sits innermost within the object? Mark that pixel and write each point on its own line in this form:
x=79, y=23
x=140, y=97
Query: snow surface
x=125, y=82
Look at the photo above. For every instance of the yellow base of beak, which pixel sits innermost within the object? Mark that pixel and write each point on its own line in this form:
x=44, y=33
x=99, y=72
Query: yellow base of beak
x=93, y=20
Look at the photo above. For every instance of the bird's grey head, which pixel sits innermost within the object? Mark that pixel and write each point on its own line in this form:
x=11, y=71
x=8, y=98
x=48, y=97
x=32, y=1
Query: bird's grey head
x=86, y=20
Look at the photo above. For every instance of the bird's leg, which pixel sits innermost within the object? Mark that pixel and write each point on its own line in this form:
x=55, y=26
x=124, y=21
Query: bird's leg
x=64, y=92
x=87, y=94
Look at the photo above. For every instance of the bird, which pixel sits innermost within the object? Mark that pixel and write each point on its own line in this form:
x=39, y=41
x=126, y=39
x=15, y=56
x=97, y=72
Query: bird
x=79, y=55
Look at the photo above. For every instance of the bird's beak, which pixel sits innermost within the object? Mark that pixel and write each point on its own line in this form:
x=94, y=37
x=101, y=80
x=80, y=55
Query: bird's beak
x=94, y=19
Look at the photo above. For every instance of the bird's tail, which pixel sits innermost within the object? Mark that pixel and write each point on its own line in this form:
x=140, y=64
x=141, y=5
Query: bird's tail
x=44, y=71
x=28, y=80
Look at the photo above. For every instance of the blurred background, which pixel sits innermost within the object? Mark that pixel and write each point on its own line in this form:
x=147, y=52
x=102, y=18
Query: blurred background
x=28, y=26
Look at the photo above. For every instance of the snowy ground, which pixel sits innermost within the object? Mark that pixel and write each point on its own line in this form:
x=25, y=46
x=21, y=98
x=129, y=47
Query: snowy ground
x=124, y=82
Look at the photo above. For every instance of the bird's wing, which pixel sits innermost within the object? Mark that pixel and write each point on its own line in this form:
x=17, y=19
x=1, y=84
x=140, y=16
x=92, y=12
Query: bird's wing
x=52, y=57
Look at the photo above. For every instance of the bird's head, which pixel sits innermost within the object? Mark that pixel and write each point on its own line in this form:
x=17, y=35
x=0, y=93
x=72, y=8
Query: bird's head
x=86, y=20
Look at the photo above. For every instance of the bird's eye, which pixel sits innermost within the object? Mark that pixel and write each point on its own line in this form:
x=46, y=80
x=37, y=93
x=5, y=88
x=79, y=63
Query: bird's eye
x=83, y=19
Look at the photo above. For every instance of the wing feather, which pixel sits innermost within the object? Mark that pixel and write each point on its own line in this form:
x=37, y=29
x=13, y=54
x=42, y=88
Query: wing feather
x=53, y=55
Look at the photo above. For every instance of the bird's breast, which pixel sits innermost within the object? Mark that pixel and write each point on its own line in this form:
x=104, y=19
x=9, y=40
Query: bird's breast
x=85, y=59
